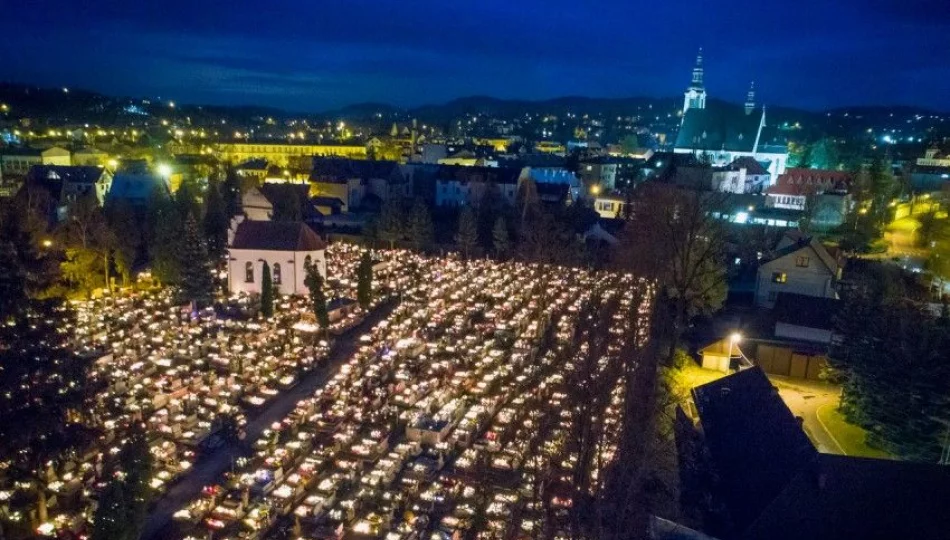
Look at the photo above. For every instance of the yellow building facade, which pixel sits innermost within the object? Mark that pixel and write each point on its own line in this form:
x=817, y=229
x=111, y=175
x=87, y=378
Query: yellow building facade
x=282, y=154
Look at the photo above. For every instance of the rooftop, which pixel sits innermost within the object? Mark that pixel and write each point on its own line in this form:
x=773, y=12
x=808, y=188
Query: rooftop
x=276, y=236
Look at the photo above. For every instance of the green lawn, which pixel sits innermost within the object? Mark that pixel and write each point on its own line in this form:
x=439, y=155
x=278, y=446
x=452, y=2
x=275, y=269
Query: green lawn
x=850, y=437
x=690, y=376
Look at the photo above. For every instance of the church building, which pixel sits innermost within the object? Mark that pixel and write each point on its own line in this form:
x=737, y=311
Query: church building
x=722, y=132
x=287, y=247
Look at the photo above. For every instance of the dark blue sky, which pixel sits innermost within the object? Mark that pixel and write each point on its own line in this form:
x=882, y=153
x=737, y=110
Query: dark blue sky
x=320, y=54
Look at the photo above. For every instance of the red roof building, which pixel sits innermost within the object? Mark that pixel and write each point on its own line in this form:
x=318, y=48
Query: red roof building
x=802, y=182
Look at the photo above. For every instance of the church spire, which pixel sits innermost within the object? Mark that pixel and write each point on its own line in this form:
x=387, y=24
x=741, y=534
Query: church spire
x=750, y=99
x=695, y=96
x=698, y=71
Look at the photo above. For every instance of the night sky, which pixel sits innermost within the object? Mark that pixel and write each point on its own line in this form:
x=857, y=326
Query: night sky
x=312, y=55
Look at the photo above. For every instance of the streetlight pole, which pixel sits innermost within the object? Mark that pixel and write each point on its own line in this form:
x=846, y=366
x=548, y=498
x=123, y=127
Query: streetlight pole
x=734, y=339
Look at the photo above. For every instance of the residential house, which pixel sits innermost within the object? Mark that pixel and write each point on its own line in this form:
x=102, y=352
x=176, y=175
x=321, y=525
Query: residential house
x=610, y=206
x=554, y=176
x=550, y=147
x=256, y=206
x=17, y=161
x=803, y=266
x=432, y=153
x=137, y=189
x=600, y=172
x=255, y=169
x=458, y=185
x=744, y=175
x=792, y=189
x=292, y=199
x=90, y=156
x=286, y=246
x=66, y=184
x=357, y=183
x=773, y=483
x=820, y=193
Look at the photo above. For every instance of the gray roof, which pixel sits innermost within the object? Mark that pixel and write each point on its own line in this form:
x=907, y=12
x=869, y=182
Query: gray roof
x=754, y=439
x=720, y=126
x=136, y=187
x=807, y=311
x=85, y=174
x=777, y=486
x=276, y=236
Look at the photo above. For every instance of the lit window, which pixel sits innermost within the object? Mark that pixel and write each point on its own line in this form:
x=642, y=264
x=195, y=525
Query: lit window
x=779, y=277
x=276, y=278
x=249, y=272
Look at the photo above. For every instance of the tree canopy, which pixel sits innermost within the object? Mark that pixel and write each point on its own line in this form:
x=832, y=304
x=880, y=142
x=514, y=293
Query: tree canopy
x=364, y=284
x=318, y=298
x=467, y=234
x=891, y=360
x=267, y=292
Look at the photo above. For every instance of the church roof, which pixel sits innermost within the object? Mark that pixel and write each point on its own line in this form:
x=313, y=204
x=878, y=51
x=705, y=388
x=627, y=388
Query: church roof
x=276, y=236
x=719, y=126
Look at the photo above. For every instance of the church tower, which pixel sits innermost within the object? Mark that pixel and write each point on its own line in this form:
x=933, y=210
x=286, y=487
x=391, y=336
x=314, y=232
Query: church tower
x=750, y=99
x=695, y=96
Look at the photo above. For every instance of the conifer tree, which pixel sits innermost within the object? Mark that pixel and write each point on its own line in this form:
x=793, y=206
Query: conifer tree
x=467, y=235
x=164, y=239
x=420, y=225
x=364, y=284
x=267, y=292
x=500, y=238
x=391, y=225
x=215, y=224
x=123, y=503
x=318, y=299
x=197, y=283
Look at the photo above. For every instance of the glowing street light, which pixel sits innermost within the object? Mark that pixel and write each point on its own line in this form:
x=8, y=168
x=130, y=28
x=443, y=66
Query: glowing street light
x=734, y=340
x=47, y=243
x=164, y=170
x=113, y=164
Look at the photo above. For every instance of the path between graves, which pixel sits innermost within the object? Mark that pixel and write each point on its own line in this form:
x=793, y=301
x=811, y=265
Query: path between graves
x=209, y=469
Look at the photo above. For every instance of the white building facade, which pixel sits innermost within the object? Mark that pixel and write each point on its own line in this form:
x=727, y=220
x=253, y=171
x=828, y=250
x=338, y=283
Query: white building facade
x=287, y=248
x=804, y=267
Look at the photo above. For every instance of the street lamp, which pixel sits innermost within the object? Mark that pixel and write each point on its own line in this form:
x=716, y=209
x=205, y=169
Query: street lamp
x=734, y=340
x=47, y=243
x=164, y=170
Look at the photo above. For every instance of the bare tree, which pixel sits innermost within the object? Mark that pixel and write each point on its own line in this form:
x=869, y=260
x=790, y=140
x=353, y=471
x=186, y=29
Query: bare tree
x=674, y=239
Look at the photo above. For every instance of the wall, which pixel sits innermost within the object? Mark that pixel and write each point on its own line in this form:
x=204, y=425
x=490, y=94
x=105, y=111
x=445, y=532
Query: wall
x=57, y=156
x=716, y=362
x=19, y=164
x=815, y=280
x=292, y=263
x=781, y=360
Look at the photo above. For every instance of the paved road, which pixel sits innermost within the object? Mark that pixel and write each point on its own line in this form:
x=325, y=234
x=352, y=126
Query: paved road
x=209, y=470
x=804, y=398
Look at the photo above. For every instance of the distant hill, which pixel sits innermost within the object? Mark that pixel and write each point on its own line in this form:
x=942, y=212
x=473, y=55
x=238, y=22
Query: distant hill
x=557, y=106
x=56, y=106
